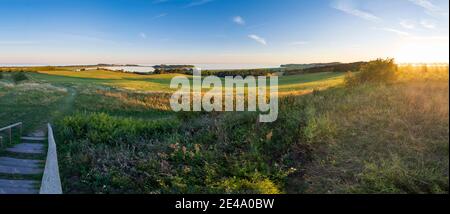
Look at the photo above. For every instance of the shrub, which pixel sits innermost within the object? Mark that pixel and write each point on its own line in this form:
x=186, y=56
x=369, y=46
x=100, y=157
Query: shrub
x=350, y=80
x=377, y=71
x=19, y=76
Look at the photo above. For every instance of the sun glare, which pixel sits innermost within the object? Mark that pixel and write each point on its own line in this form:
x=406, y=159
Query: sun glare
x=424, y=51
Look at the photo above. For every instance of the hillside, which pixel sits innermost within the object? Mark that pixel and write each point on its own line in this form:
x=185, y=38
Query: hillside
x=117, y=134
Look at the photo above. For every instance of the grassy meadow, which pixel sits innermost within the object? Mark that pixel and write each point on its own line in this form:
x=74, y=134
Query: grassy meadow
x=116, y=133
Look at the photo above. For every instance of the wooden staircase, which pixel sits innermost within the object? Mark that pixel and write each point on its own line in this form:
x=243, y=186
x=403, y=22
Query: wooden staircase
x=22, y=165
x=27, y=167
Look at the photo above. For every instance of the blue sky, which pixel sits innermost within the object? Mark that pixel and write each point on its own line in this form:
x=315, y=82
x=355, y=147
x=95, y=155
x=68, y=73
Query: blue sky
x=222, y=31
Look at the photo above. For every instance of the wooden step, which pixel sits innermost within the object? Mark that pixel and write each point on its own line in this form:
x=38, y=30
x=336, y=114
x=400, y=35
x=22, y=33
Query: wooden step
x=27, y=148
x=20, y=170
x=7, y=161
x=34, y=138
x=18, y=183
x=18, y=186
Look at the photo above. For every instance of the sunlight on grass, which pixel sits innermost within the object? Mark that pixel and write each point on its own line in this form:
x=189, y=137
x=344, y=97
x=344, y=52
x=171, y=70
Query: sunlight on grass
x=288, y=85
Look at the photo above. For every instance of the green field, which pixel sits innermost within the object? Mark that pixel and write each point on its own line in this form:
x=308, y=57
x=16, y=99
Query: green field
x=49, y=93
x=160, y=83
x=117, y=134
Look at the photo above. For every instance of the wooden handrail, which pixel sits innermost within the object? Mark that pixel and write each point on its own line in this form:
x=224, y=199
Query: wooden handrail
x=51, y=182
x=10, y=126
x=10, y=132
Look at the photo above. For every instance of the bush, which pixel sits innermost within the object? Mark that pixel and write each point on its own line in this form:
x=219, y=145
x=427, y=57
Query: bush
x=350, y=79
x=19, y=76
x=377, y=71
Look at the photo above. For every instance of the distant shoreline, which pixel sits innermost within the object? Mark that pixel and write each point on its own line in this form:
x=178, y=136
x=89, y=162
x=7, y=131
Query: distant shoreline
x=201, y=66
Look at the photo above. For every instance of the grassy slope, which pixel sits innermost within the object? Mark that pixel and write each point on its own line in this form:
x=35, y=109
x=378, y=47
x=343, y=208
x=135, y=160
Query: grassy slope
x=383, y=139
x=31, y=103
x=367, y=139
x=45, y=98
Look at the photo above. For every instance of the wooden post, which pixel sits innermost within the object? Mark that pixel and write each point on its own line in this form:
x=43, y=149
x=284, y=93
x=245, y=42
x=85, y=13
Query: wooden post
x=9, y=130
x=10, y=136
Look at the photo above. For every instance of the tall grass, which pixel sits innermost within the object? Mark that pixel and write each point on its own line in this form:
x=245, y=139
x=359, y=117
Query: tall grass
x=32, y=103
x=388, y=139
x=123, y=103
x=100, y=128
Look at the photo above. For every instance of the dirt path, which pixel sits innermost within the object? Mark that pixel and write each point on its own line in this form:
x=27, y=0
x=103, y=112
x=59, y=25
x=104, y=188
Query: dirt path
x=66, y=104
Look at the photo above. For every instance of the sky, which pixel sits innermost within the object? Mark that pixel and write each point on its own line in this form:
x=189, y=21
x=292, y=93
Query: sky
x=222, y=31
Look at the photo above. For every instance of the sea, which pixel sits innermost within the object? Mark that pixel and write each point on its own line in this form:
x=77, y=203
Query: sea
x=148, y=67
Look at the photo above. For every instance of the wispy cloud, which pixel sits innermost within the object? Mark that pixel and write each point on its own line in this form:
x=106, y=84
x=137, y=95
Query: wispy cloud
x=392, y=30
x=407, y=24
x=349, y=8
x=239, y=20
x=425, y=23
x=431, y=8
x=258, y=39
x=160, y=15
x=428, y=24
x=143, y=35
x=195, y=3
x=443, y=39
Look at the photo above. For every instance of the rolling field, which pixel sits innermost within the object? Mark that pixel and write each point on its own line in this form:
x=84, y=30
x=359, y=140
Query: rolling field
x=160, y=83
x=117, y=134
x=51, y=94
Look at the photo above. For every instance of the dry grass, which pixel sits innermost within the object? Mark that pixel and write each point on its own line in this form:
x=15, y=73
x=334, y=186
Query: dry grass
x=123, y=103
x=389, y=139
x=140, y=100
